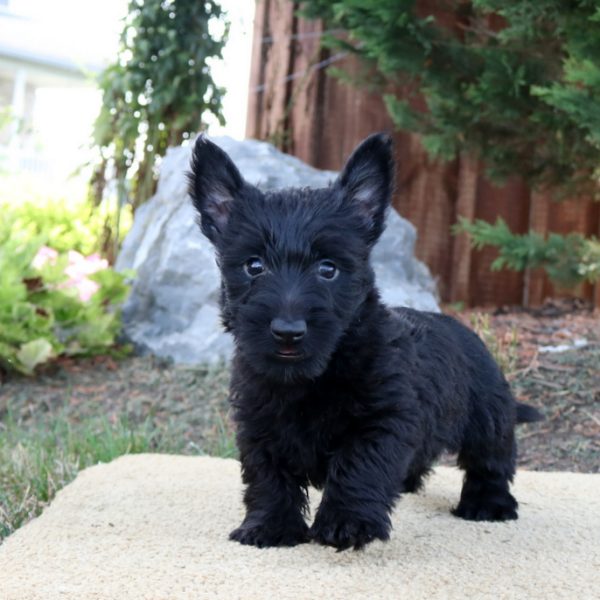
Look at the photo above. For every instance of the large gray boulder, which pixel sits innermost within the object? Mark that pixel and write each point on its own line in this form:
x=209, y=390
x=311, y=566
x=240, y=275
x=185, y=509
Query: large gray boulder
x=172, y=310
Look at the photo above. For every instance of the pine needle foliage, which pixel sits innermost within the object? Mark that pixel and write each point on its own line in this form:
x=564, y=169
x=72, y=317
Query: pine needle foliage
x=513, y=82
x=516, y=82
x=567, y=259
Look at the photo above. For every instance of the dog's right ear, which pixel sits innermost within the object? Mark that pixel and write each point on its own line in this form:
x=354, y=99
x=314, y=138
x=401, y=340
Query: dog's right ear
x=214, y=183
x=367, y=181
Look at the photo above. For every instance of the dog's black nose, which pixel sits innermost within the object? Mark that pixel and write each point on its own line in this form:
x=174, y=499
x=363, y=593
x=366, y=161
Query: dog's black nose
x=288, y=332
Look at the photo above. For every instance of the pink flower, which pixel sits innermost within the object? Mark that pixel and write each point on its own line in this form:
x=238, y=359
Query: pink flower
x=86, y=288
x=44, y=255
x=77, y=270
x=80, y=266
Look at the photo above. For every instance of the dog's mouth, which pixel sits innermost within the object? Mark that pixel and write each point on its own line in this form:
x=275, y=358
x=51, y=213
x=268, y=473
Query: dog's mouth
x=289, y=354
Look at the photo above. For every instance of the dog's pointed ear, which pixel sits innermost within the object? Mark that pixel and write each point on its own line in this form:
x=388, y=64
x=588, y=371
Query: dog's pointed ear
x=214, y=183
x=367, y=181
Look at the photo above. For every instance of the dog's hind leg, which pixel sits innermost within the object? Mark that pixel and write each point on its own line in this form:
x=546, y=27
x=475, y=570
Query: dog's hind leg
x=415, y=480
x=488, y=458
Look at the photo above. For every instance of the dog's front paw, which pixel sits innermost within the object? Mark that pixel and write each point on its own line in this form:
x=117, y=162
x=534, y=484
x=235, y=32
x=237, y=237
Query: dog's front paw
x=343, y=532
x=263, y=535
x=487, y=507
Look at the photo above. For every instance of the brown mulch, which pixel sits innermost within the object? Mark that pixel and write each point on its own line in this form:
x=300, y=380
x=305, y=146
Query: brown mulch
x=192, y=402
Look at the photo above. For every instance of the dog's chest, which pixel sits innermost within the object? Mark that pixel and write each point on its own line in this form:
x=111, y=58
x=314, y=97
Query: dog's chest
x=307, y=434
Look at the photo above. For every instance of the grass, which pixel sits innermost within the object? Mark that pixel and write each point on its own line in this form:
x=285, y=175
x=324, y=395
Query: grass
x=503, y=348
x=37, y=461
x=221, y=439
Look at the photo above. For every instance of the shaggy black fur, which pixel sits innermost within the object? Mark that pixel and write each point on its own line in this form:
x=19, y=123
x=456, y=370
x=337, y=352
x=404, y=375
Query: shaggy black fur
x=330, y=387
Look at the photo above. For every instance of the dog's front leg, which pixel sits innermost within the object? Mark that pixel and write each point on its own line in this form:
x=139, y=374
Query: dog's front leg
x=363, y=482
x=275, y=502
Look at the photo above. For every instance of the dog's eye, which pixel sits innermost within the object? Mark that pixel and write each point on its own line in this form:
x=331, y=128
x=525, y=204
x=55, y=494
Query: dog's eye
x=254, y=267
x=327, y=270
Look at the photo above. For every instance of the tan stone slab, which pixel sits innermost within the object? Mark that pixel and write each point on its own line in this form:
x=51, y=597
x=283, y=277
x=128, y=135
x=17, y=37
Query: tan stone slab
x=155, y=527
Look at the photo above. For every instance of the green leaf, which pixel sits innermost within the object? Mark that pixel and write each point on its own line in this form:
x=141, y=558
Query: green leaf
x=34, y=353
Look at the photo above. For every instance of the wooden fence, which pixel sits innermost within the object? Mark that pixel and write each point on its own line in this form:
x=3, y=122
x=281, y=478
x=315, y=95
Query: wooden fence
x=295, y=103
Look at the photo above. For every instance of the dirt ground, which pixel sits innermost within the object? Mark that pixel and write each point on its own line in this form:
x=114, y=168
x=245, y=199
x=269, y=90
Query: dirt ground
x=565, y=386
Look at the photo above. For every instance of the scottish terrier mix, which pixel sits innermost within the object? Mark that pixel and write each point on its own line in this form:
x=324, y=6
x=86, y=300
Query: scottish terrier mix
x=329, y=386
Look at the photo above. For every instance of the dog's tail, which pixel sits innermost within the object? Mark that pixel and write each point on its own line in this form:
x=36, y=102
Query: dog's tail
x=528, y=414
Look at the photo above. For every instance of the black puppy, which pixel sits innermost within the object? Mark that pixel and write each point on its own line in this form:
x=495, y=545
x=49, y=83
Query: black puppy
x=330, y=387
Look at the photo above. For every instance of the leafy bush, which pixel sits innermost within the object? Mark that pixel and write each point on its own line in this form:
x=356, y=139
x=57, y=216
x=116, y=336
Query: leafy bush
x=61, y=217
x=158, y=92
x=567, y=259
x=42, y=310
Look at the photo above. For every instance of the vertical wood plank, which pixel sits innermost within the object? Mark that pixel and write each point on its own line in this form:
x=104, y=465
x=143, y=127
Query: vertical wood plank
x=468, y=177
x=426, y=197
x=257, y=69
x=510, y=202
x=533, y=292
x=305, y=113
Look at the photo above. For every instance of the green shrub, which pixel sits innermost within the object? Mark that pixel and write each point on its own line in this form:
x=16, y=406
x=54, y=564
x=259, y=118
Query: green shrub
x=567, y=259
x=61, y=218
x=515, y=83
x=158, y=92
x=42, y=313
